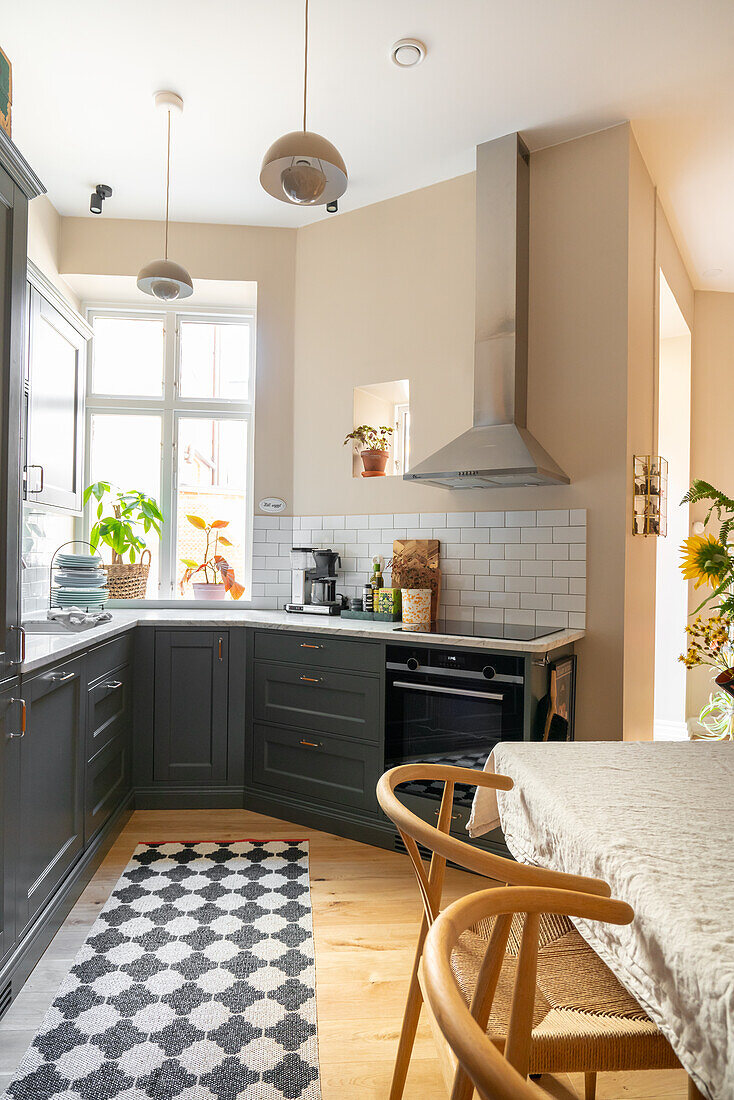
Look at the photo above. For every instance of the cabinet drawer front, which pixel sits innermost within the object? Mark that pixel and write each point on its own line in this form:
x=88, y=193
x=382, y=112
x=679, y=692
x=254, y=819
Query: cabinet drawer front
x=342, y=703
x=107, y=784
x=102, y=660
x=108, y=710
x=318, y=650
x=317, y=766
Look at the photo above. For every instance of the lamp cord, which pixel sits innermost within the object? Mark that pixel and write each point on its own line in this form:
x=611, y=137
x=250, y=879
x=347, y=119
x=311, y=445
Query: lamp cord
x=305, y=65
x=168, y=178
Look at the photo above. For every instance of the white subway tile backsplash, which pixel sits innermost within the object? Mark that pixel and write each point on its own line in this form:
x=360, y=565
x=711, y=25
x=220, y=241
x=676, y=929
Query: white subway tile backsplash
x=553, y=518
x=475, y=534
x=577, y=621
x=519, y=584
x=522, y=567
x=504, y=599
x=489, y=519
x=520, y=519
x=554, y=551
x=569, y=534
x=536, y=534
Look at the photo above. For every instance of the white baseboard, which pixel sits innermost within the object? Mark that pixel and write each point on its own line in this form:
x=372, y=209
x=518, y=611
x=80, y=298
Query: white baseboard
x=664, y=730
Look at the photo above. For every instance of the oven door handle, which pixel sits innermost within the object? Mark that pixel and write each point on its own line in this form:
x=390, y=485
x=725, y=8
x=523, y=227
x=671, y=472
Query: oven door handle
x=434, y=689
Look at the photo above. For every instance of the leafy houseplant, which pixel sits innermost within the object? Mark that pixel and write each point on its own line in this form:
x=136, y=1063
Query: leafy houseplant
x=373, y=446
x=214, y=566
x=119, y=520
x=708, y=561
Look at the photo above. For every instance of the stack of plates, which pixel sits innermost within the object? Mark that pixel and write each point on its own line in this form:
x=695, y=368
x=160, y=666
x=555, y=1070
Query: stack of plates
x=79, y=581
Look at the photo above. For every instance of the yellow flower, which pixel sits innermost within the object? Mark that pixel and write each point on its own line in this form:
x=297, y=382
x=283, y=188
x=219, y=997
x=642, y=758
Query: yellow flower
x=705, y=560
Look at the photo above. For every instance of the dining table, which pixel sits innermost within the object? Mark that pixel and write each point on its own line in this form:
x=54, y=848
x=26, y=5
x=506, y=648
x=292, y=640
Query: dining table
x=655, y=820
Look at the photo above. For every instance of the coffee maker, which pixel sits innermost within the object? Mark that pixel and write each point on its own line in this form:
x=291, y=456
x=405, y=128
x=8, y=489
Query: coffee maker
x=313, y=581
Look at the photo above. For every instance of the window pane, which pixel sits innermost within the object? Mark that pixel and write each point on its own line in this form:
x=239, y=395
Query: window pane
x=212, y=481
x=215, y=360
x=128, y=356
x=126, y=451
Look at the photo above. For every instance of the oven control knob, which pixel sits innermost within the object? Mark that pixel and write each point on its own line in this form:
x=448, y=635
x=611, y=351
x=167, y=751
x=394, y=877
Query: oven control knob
x=488, y=672
x=413, y=664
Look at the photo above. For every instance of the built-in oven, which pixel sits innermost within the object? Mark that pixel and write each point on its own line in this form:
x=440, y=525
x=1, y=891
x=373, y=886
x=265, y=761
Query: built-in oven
x=450, y=707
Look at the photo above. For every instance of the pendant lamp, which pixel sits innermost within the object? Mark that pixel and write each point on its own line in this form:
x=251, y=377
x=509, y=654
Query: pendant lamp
x=302, y=167
x=164, y=278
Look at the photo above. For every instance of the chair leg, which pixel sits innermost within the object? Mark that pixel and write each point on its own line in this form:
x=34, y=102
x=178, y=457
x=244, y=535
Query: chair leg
x=589, y=1086
x=410, y=1022
x=407, y=1038
x=694, y=1093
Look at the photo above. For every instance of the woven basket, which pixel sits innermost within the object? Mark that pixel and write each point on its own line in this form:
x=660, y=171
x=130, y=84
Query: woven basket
x=128, y=580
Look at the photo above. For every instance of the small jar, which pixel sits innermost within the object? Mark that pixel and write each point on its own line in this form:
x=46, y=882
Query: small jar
x=356, y=603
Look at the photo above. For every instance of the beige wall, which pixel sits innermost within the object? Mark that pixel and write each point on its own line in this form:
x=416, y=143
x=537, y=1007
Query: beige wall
x=44, y=226
x=105, y=246
x=712, y=442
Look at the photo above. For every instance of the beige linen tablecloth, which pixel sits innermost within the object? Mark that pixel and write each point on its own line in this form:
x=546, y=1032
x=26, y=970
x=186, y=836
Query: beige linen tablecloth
x=655, y=821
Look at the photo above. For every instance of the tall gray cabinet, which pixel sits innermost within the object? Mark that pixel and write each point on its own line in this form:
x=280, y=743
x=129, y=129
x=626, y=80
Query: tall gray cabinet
x=18, y=184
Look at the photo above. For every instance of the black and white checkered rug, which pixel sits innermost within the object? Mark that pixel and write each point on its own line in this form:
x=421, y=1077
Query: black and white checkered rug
x=196, y=982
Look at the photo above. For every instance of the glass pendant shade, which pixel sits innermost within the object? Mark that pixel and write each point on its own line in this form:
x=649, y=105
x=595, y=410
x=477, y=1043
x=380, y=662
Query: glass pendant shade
x=304, y=168
x=165, y=280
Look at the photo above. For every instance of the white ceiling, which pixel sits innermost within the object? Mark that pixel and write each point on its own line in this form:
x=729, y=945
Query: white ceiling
x=85, y=73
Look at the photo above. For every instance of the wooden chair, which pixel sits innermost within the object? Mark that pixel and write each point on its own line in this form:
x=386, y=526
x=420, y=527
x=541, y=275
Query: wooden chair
x=497, y=1069
x=589, y=1022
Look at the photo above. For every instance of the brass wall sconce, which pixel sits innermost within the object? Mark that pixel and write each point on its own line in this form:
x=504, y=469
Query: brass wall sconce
x=650, y=495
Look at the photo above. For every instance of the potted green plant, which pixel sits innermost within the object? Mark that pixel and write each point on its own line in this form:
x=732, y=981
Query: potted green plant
x=219, y=578
x=373, y=447
x=121, y=521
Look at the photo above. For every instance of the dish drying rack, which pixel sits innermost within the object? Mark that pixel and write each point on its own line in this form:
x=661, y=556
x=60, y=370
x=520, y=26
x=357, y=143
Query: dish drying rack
x=58, y=607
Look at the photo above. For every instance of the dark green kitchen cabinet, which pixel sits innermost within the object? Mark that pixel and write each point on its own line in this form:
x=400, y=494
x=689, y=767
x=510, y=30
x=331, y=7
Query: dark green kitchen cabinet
x=12, y=722
x=108, y=735
x=190, y=710
x=51, y=785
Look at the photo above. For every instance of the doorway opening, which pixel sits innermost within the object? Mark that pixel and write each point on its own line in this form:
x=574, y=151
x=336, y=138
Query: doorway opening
x=671, y=590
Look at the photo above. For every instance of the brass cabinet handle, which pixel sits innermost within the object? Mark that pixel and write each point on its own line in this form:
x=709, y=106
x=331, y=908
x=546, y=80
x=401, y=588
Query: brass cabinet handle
x=308, y=645
x=220, y=649
x=62, y=678
x=113, y=685
x=454, y=817
x=311, y=744
x=312, y=679
x=22, y=718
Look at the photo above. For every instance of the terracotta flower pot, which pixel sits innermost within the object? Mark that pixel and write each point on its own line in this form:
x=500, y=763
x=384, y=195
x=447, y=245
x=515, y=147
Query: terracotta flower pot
x=374, y=462
x=208, y=591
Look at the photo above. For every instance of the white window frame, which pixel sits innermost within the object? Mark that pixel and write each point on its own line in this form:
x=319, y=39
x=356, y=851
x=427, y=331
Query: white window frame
x=171, y=408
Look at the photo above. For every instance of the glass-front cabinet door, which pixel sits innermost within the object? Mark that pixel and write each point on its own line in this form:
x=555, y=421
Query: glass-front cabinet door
x=56, y=369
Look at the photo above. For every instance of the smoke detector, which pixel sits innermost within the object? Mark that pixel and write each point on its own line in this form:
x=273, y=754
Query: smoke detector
x=406, y=53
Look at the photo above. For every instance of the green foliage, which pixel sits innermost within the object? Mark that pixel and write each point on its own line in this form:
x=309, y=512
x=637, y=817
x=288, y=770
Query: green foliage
x=119, y=519
x=720, y=503
x=371, y=439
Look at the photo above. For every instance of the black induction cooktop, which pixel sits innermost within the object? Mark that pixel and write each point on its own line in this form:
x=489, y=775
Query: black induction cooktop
x=505, y=631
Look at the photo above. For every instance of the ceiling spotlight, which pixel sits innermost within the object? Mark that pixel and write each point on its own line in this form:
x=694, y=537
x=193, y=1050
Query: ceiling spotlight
x=302, y=167
x=100, y=193
x=406, y=53
x=165, y=279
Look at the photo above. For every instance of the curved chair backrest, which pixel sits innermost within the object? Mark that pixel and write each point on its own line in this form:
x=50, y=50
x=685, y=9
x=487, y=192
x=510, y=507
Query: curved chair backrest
x=499, y=1075
x=414, y=831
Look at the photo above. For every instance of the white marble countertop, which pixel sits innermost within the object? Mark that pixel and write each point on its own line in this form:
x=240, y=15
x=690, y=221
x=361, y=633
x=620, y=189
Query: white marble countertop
x=43, y=649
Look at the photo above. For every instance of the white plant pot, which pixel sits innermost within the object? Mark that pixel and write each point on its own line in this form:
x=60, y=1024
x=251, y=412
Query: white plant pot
x=208, y=591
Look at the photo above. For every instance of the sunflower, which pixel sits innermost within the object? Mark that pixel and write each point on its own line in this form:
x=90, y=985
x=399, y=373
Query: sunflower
x=705, y=560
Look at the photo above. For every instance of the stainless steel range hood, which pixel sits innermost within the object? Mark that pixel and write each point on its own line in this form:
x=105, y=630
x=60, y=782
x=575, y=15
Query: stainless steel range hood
x=498, y=450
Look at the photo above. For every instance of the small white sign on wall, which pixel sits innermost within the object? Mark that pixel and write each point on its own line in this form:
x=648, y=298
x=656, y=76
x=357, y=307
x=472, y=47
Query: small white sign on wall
x=272, y=505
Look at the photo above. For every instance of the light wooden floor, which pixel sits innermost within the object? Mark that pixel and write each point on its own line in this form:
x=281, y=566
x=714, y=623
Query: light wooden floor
x=366, y=912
